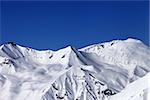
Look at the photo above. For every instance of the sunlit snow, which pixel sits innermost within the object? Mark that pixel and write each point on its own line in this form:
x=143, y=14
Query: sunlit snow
x=115, y=70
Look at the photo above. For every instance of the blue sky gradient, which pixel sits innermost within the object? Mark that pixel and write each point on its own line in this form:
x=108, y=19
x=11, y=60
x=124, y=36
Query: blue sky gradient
x=56, y=24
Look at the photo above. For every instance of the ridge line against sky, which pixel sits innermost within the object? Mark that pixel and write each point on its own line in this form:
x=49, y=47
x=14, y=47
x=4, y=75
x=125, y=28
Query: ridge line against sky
x=53, y=25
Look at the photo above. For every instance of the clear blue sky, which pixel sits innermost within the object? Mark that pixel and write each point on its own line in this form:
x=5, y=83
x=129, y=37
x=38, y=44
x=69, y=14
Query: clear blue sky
x=53, y=25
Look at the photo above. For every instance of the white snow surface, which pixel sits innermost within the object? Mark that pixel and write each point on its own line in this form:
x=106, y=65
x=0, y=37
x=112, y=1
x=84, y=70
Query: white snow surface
x=115, y=70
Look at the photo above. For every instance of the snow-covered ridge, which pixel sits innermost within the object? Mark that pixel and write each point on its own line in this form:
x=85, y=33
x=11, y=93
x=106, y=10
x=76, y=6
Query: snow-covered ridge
x=92, y=73
x=127, y=53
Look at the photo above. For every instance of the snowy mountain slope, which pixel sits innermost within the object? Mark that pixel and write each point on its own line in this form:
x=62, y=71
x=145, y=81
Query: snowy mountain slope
x=129, y=54
x=92, y=73
x=138, y=90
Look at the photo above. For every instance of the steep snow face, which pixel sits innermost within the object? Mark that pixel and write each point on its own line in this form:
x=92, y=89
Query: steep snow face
x=93, y=73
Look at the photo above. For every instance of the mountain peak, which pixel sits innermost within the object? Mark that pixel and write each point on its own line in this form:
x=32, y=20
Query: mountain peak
x=12, y=43
x=132, y=40
x=95, y=72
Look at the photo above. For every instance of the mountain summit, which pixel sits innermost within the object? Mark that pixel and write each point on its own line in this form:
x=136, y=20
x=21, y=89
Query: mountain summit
x=104, y=71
